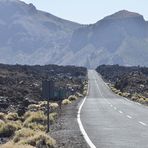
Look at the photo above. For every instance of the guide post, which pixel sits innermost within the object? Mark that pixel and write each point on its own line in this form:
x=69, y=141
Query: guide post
x=48, y=94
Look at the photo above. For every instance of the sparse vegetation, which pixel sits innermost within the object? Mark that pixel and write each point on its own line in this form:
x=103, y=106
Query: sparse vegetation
x=53, y=106
x=33, y=107
x=35, y=117
x=40, y=139
x=24, y=120
x=15, y=145
x=12, y=116
x=2, y=116
x=72, y=98
x=66, y=101
x=9, y=128
x=23, y=133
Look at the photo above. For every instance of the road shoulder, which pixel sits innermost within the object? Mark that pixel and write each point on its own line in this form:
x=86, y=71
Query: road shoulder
x=66, y=129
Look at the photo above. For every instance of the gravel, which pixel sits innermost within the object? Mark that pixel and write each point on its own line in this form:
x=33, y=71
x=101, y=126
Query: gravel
x=66, y=130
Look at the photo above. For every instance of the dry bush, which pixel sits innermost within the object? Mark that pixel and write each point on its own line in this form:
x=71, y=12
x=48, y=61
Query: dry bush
x=8, y=129
x=120, y=93
x=1, y=123
x=23, y=133
x=134, y=97
x=12, y=116
x=14, y=145
x=146, y=100
x=85, y=92
x=2, y=116
x=36, y=126
x=66, y=101
x=72, y=98
x=125, y=94
x=33, y=107
x=53, y=106
x=141, y=100
x=42, y=104
x=53, y=117
x=34, y=117
x=40, y=139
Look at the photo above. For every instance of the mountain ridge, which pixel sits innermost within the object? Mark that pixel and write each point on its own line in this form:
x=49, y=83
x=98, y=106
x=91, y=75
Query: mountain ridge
x=30, y=36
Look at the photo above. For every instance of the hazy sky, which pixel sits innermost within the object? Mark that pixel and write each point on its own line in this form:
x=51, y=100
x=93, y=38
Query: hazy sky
x=89, y=11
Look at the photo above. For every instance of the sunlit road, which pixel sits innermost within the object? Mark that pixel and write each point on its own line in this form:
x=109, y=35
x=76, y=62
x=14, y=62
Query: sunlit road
x=111, y=121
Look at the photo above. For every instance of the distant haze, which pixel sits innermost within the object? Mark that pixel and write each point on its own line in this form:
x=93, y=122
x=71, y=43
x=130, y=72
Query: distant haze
x=89, y=11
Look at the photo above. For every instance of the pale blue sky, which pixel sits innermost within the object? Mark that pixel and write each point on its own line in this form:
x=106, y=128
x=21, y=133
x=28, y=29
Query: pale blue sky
x=89, y=11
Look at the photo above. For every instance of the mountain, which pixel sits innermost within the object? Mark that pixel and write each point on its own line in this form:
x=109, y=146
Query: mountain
x=30, y=36
x=121, y=38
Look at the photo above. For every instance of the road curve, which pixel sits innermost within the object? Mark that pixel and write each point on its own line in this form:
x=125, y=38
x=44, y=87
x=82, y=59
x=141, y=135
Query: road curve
x=111, y=121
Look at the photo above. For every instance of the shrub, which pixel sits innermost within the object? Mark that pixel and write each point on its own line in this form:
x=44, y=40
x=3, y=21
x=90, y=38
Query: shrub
x=125, y=94
x=134, y=97
x=141, y=100
x=52, y=117
x=34, y=107
x=2, y=116
x=42, y=104
x=66, y=101
x=36, y=126
x=14, y=145
x=1, y=123
x=8, y=129
x=23, y=133
x=40, y=139
x=53, y=106
x=120, y=93
x=72, y=98
x=12, y=116
x=37, y=117
x=84, y=92
x=146, y=100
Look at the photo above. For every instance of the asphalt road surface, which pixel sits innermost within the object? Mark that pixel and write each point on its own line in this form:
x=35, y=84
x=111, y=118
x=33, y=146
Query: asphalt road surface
x=111, y=121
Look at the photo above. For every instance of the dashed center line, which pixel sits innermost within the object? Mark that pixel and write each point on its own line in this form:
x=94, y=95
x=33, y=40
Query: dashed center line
x=143, y=123
x=128, y=116
x=115, y=108
x=120, y=112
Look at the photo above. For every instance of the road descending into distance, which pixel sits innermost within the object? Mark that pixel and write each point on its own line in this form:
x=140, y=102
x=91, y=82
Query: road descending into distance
x=111, y=121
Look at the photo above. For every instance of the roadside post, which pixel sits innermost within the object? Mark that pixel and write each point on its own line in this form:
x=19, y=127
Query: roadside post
x=48, y=94
x=61, y=97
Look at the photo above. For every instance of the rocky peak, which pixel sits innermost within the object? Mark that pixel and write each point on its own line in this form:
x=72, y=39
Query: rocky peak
x=123, y=14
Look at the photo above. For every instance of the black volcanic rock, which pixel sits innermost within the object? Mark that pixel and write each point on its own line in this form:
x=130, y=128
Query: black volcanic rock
x=20, y=85
x=126, y=79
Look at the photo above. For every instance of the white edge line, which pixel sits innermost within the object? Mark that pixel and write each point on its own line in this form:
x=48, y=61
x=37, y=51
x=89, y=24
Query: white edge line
x=87, y=139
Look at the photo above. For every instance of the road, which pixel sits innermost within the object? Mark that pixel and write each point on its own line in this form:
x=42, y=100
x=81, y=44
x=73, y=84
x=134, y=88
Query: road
x=111, y=121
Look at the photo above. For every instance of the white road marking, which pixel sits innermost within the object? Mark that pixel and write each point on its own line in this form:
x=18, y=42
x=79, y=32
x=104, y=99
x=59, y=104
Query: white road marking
x=87, y=139
x=120, y=112
x=143, y=123
x=128, y=116
x=111, y=105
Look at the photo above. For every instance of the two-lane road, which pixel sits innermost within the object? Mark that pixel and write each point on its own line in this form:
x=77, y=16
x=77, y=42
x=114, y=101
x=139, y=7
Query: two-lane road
x=111, y=121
